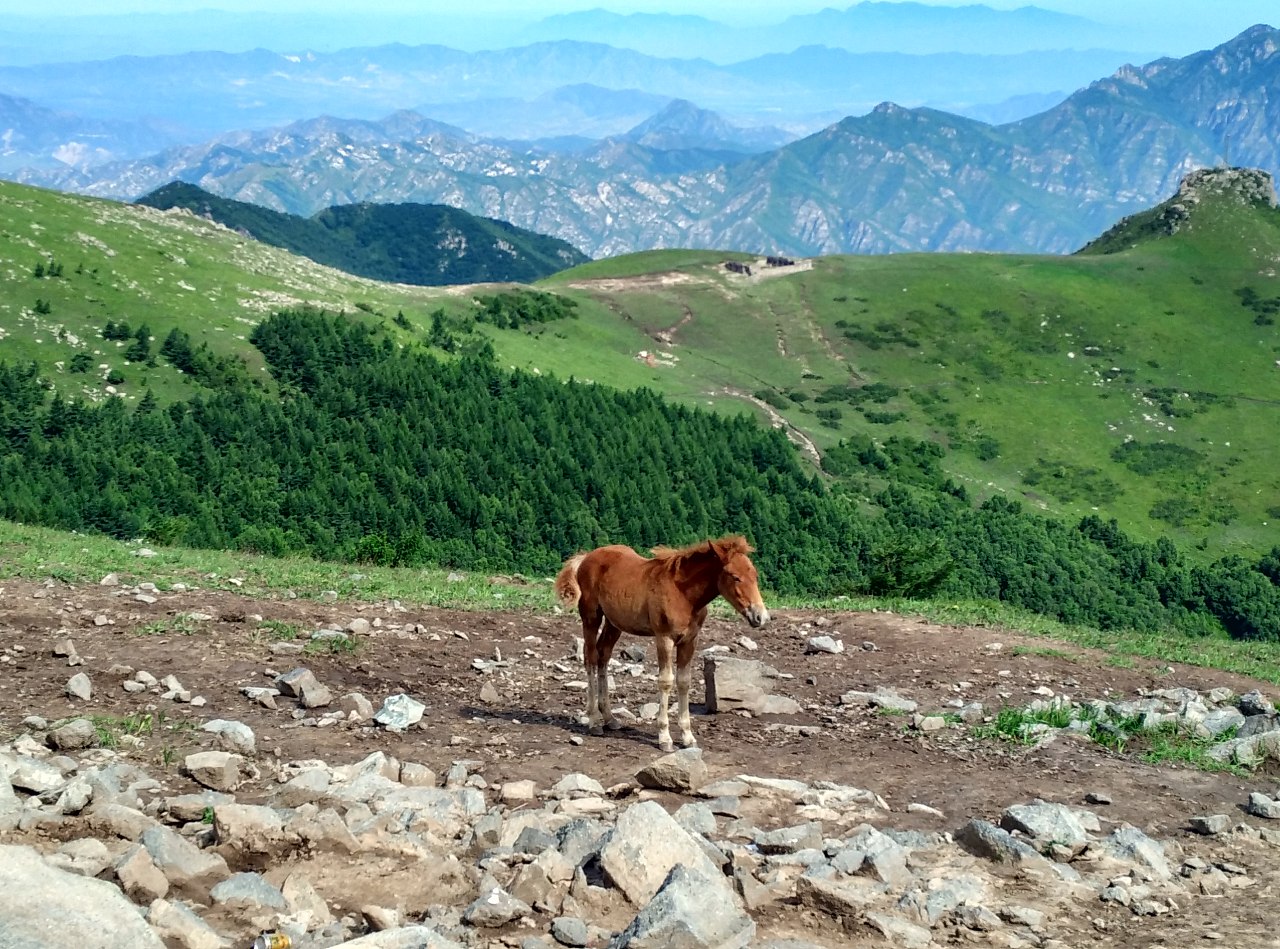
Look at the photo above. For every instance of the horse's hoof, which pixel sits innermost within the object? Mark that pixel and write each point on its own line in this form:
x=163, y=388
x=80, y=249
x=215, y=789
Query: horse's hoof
x=613, y=725
x=689, y=741
x=595, y=730
x=666, y=746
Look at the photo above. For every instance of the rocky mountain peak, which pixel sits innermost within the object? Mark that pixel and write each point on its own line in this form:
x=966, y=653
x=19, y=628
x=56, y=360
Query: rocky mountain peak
x=1249, y=186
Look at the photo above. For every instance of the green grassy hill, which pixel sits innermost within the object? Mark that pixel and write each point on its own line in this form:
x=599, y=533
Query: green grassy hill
x=1141, y=384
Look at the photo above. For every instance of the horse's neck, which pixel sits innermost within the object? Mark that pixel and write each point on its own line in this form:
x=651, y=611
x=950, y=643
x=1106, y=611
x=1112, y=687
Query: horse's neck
x=698, y=578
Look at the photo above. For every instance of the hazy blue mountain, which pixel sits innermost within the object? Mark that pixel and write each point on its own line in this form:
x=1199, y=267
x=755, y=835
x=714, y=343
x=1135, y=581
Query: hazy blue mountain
x=582, y=112
x=542, y=90
x=863, y=27
x=37, y=137
x=682, y=125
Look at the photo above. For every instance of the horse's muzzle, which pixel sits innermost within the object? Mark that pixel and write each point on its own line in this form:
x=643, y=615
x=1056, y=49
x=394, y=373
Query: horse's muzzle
x=757, y=616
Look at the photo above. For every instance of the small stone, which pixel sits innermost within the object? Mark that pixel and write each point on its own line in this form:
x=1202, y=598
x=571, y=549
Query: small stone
x=824, y=644
x=1260, y=805
x=1210, y=824
x=489, y=694
x=1097, y=797
x=79, y=687
x=64, y=647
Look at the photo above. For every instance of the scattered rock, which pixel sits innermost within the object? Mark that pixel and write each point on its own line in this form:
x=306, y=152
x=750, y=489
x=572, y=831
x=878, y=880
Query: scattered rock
x=76, y=735
x=747, y=684
x=233, y=736
x=682, y=770
x=79, y=687
x=86, y=908
x=399, y=712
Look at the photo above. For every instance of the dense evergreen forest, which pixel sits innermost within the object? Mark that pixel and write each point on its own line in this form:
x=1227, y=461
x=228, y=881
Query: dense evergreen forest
x=423, y=244
x=379, y=453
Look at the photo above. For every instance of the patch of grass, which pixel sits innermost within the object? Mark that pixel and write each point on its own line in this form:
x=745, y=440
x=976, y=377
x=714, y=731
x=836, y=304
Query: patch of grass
x=37, y=553
x=111, y=728
x=335, y=646
x=181, y=624
x=1165, y=743
x=1171, y=745
x=1015, y=724
x=207, y=816
x=280, y=631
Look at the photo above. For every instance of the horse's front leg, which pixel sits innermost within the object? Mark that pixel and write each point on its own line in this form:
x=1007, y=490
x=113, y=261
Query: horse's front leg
x=684, y=674
x=666, y=678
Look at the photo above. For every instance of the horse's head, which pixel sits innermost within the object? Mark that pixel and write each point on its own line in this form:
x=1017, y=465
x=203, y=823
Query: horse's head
x=739, y=583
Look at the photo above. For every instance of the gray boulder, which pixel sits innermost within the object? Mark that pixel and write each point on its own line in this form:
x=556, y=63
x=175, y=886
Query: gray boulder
x=733, y=684
x=248, y=891
x=644, y=845
x=683, y=770
x=42, y=906
x=76, y=735
x=179, y=922
x=233, y=736
x=1049, y=822
x=689, y=911
x=181, y=861
x=399, y=712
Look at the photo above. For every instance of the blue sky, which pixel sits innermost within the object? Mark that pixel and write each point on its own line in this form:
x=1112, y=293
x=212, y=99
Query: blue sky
x=1211, y=13
x=1159, y=27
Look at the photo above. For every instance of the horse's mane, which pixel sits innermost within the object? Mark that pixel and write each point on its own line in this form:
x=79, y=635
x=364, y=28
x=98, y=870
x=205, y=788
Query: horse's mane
x=736, y=543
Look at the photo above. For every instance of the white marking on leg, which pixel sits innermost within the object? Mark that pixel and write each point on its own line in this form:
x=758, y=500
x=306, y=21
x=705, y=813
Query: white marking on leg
x=683, y=678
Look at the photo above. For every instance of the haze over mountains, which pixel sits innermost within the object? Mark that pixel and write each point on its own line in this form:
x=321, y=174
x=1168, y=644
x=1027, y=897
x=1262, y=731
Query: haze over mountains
x=895, y=179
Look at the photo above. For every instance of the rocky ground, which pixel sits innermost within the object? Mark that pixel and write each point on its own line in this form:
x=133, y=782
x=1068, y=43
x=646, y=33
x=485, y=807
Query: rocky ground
x=191, y=767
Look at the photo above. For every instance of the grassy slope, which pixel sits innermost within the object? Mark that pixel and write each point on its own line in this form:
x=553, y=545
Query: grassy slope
x=162, y=269
x=1163, y=313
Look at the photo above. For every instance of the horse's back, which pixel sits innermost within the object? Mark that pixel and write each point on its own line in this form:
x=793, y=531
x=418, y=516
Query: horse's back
x=615, y=578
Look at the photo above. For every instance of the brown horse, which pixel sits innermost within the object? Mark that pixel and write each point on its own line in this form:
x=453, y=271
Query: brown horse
x=618, y=591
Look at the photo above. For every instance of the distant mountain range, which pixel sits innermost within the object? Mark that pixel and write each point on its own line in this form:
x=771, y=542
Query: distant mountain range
x=535, y=91
x=862, y=27
x=421, y=244
x=896, y=179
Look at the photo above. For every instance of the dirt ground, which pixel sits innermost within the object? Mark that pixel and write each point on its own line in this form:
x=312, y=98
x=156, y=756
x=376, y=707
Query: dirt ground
x=532, y=731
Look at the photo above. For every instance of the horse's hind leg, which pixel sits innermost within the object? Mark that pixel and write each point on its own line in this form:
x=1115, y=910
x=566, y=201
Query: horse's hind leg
x=684, y=673
x=666, y=678
x=591, y=618
x=604, y=652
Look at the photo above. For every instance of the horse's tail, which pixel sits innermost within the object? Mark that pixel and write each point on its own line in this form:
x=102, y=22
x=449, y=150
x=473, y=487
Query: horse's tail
x=566, y=585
